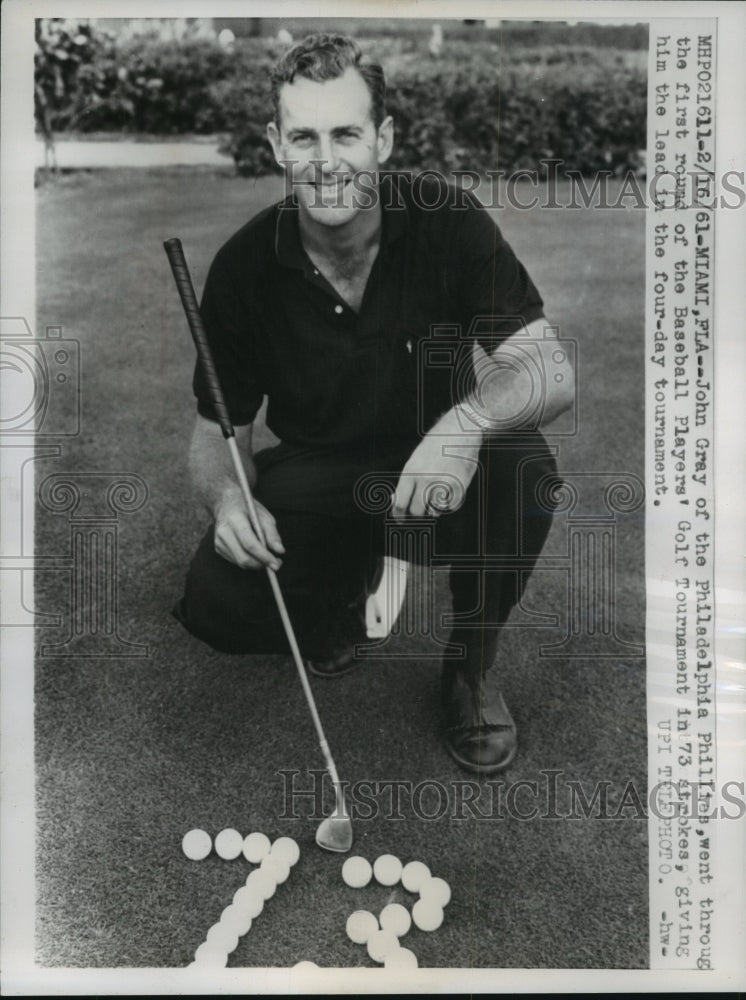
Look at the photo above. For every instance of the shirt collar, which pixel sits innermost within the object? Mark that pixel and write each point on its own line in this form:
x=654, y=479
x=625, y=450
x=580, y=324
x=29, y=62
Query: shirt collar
x=395, y=222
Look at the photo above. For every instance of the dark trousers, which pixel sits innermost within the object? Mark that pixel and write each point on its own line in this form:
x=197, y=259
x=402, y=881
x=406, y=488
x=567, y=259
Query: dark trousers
x=334, y=539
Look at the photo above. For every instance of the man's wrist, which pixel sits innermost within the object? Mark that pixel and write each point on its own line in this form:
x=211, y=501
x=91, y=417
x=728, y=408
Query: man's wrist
x=225, y=497
x=457, y=425
x=473, y=419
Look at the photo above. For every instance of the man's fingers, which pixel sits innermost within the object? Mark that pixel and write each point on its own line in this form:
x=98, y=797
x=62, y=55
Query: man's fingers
x=402, y=497
x=235, y=540
x=417, y=503
x=271, y=534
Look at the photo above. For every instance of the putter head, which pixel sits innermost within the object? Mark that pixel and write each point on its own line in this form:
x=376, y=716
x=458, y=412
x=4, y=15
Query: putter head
x=335, y=834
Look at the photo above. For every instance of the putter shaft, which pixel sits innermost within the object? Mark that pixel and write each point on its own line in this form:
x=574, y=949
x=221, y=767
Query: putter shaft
x=287, y=625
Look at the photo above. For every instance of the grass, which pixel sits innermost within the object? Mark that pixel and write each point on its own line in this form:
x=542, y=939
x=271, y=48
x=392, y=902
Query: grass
x=130, y=753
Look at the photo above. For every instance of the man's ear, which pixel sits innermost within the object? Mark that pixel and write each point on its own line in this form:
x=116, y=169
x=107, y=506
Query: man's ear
x=273, y=134
x=385, y=140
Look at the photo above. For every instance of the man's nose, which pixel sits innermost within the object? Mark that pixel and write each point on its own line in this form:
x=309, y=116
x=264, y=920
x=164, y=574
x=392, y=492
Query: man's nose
x=328, y=157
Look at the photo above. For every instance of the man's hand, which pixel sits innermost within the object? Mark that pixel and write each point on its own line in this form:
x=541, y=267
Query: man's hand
x=433, y=482
x=236, y=541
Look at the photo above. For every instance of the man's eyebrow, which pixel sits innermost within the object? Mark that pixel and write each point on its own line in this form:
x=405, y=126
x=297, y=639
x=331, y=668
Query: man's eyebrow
x=339, y=129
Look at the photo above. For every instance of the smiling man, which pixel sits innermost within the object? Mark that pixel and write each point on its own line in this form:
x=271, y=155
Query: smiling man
x=325, y=304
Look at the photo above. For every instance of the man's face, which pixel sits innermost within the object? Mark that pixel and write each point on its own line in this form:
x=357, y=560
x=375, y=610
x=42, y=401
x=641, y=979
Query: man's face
x=325, y=136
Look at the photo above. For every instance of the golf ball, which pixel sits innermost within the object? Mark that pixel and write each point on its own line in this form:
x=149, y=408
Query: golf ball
x=196, y=845
x=414, y=874
x=255, y=847
x=427, y=914
x=382, y=943
x=223, y=936
x=395, y=918
x=360, y=925
x=287, y=849
x=249, y=900
x=387, y=869
x=275, y=866
x=306, y=965
x=228, y=844
x=209, y=953
x=436, y=889
x=263, y=882
x=237, y=919
x=401, y=958
x=356, y=872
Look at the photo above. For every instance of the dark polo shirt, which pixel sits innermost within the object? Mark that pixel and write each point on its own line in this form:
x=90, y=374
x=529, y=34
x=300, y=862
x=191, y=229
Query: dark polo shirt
x=379, y=378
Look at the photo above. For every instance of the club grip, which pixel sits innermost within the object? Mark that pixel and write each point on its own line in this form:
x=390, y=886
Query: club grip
x=180, y=270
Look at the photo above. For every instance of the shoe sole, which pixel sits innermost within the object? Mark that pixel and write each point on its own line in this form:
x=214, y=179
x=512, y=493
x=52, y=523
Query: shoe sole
x=472, y=768
x=330, y=674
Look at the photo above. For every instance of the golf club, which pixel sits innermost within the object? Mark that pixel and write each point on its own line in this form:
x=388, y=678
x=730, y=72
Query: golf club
x=335, y=832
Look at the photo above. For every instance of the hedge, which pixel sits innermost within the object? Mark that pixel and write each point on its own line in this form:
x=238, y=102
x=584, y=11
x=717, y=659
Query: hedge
x=475, y=107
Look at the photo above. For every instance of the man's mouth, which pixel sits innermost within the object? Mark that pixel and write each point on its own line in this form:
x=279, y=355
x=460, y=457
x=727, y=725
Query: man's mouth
x=330, y=186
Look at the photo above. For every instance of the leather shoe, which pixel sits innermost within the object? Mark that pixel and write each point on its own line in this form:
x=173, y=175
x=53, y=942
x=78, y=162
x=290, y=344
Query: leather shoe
x=480, y=733
x=341, y=662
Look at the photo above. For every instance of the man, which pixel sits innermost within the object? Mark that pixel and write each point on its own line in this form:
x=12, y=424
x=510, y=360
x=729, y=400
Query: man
x=322, y=303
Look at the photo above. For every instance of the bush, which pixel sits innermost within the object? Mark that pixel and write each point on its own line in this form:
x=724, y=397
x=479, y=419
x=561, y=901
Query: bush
x=90, y=81
x=69, y=72
x=477, y=109
x=477, y=106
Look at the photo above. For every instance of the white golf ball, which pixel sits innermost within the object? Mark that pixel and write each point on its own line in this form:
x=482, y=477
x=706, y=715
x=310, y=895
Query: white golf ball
x=211, y=954
x=255, y=847
x=360, y=925
x=196, y=844
x=287, y=849
x=395, y=918
x=382, y=943
x=414, y=874
x=387, y=869
x=401, y=958
x=223, y=936
x=228, y=844
x=436, y=889
x=263, y=882
x=305, y=965
x=275, y=866
x=427, y=914
x=356, y=872
x=249, y=900
x=237, y=919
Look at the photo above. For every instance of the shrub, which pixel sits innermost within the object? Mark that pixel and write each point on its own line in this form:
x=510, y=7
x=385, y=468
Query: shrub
x=478, y=106
x=70, y=69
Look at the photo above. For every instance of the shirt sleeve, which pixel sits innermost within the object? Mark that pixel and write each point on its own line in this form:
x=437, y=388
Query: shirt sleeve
x=493, y=290
x=230, y=327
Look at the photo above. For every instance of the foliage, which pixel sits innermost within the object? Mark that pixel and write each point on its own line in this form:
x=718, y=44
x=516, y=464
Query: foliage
x=69, y=71
x=476, y=106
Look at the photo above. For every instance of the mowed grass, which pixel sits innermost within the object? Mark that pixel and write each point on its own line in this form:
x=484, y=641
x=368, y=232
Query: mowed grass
x=132, y=752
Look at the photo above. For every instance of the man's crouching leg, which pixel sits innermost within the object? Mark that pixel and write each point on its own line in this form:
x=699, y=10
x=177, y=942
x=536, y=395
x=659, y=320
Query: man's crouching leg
x=229, y=608
x=500, y=518
x=233, y=610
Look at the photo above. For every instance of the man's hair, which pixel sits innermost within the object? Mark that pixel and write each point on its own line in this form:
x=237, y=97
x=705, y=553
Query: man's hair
x=322, y=57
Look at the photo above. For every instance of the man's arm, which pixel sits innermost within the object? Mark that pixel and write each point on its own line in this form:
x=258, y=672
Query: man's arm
x=521, y=379
x=216, y=486
x=527, y=381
